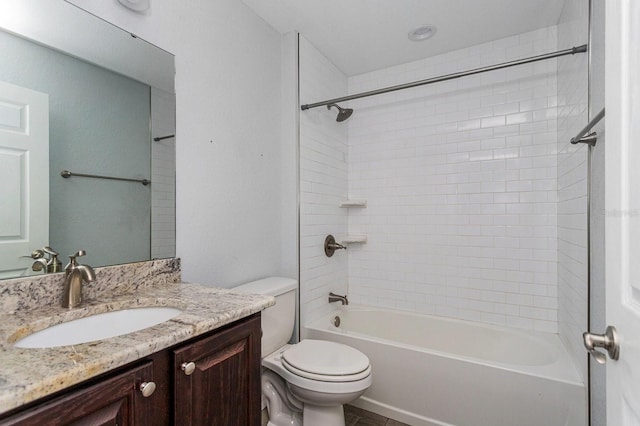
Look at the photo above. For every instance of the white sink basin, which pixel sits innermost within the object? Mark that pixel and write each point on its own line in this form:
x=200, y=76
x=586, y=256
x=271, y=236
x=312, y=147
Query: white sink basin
x=98, y=327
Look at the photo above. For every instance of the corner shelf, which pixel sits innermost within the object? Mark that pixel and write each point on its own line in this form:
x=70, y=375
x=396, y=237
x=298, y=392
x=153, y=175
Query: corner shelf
x=354, y=239
x=353, y=203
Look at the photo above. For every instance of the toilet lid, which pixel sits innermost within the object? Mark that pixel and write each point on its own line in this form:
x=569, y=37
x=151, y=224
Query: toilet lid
x=323, y=358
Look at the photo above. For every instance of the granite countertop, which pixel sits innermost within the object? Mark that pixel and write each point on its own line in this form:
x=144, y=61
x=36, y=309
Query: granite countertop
x=29, y=374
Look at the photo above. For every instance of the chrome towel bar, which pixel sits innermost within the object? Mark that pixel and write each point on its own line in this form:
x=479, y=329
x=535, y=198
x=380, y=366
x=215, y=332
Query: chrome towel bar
x=68, y=174
x=160, y=138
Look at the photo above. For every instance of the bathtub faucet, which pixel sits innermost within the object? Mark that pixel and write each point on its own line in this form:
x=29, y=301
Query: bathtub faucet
x=337, y=298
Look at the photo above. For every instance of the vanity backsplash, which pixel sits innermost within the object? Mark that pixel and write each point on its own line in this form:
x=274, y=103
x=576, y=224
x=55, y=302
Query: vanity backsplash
x=46, y=290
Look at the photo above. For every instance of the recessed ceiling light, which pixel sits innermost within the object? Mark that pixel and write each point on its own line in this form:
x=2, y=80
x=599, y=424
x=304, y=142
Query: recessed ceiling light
x=422, y=32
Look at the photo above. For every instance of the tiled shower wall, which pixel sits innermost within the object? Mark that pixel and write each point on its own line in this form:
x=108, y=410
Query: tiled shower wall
x=460, y=179
x=572, y=182
x=461, y=182
x=323, y=183
x=163, y=175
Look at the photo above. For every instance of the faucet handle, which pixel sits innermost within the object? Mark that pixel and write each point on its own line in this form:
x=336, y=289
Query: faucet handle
x=49, y=251
x=72, y=259
x=79, y=253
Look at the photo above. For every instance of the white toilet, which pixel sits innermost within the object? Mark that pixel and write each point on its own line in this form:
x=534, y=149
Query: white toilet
x=308, y=382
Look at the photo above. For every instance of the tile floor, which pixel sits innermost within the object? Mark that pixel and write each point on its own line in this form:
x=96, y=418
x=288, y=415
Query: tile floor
x=355, y=417
x=358, y=417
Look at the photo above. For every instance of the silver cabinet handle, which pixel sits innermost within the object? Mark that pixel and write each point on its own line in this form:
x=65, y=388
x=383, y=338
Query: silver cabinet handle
x=188, y=368
x=147, y=389
x=608, y=341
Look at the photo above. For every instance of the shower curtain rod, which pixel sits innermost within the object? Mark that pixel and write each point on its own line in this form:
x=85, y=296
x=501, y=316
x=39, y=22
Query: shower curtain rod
x=572, y=51
x=584, y=136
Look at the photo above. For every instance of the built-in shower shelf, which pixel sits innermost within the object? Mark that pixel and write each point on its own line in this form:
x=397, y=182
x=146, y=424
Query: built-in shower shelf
x=353, y=203
x=354, y=239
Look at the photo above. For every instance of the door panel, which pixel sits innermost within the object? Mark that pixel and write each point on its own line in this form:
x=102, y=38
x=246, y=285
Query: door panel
x=622, y=203
x=24, y=176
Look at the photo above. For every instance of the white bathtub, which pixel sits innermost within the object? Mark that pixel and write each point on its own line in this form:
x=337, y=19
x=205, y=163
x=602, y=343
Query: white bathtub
x=436, y=371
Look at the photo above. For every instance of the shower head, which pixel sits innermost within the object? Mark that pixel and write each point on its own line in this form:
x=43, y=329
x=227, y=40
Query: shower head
x=343, y=113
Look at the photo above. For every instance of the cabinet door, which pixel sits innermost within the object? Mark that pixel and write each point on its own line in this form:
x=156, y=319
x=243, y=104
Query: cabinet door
x=224, y=387
x=113, y=401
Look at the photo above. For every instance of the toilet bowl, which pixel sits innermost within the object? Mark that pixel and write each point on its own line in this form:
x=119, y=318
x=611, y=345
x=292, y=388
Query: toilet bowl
x=320, y=377
x=307, y=383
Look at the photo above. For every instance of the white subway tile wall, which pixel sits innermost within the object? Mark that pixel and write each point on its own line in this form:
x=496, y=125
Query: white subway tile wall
x=163, y=175
x=572, y=183
x=323, y=183
x=471, y=186
x=460, y=180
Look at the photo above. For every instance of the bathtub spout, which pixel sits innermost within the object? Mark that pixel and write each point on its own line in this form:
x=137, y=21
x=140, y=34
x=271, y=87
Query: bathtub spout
x=337, y=298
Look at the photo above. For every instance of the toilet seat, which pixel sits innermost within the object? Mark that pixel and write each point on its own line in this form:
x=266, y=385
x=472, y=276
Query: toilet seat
x=327, y=378
x=326, y=361
x=320, y=383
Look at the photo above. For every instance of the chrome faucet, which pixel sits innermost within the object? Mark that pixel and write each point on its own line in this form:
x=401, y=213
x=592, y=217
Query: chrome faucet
x=40, y=265
x=53, y=264
x=337, y=298
x=75, y=276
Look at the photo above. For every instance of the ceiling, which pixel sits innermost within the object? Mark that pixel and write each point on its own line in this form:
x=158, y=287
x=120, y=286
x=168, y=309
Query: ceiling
x=359, y=36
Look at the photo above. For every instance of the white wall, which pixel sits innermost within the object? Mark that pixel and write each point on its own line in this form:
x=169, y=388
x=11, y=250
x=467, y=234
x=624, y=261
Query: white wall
x=323, y=183
x=460, y=179
x=573, y=100
x=228, y=86
x=290, y=155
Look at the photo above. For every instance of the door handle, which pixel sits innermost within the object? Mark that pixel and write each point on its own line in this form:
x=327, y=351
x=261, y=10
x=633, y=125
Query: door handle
x=609, y=341
x=36, y=254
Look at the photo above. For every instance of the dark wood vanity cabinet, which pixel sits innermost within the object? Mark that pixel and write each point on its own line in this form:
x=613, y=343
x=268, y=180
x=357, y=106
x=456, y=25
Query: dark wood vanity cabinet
x=112, y=401
x=211, y=380
x=217, y=379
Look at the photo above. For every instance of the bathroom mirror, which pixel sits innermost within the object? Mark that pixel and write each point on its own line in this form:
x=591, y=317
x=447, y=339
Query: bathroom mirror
x=79, y=96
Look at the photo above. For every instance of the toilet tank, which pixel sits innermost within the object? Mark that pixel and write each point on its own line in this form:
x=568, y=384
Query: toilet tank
x=278, y=320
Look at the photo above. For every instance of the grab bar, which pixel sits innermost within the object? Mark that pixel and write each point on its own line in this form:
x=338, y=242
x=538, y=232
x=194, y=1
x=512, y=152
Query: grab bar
x=68, y=174
x=590, y=138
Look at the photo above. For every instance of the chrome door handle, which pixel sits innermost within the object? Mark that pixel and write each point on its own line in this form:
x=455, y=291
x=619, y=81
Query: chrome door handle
x=36, y=254
x=609, y=341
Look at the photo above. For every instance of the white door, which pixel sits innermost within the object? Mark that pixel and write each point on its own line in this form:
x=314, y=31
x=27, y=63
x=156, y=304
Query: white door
x=24, y=176
x=622, y=201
